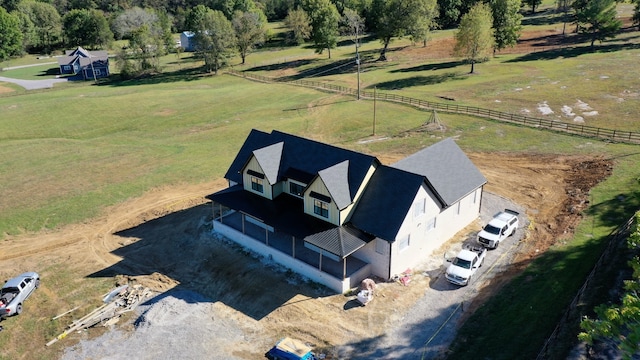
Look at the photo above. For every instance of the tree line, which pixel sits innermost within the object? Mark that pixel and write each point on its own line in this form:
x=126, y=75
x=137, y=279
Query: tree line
x=224, y=28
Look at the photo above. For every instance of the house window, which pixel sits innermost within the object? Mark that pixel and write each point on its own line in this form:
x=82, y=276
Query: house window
x=403, y=243
x=431, y=224
x=418, y=208
x=296, y=189
x=256, y=184
x=321, y=208
x=458, y=208
x=475, y=196
x=96, y=71
x=66, y=67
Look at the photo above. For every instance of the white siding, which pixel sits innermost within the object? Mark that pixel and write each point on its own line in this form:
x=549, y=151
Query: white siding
x=425, y=238
x=318, y=186
x=246, y=179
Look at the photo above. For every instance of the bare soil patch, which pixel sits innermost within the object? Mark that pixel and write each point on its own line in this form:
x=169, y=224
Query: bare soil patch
x=162, y=240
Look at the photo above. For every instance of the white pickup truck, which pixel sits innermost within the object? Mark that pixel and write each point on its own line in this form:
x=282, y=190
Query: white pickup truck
x=499, y=228
x=464, y=265
x=16, y=291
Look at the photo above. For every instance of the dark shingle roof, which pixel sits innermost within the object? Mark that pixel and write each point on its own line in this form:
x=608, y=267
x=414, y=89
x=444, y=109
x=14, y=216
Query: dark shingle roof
x=336, y=180
x=304, y=156
x=446, y=167
x=269, y=158
x=386, y=202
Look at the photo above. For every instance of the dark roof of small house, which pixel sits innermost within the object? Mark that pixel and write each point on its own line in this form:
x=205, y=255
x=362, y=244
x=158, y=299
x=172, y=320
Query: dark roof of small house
x=304, y=159
x=83, y=56
x=447, y=169
x=286, y=214
x=386, y=201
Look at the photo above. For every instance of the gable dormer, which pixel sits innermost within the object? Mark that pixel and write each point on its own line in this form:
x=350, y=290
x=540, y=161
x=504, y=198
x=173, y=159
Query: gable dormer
x=260, y=173
x=328, y=193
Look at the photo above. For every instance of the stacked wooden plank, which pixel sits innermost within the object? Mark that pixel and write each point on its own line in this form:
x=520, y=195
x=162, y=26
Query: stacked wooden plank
x=117, y=302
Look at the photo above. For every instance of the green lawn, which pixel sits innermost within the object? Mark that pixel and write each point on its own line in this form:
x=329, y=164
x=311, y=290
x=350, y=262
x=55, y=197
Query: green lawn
x=69, y=152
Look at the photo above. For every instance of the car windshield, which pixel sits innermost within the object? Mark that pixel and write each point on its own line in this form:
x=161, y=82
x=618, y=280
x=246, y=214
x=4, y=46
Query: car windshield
x=465, y=264
x=492, y=229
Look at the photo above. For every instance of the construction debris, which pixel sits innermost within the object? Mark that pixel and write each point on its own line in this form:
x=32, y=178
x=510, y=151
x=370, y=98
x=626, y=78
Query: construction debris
x=117, y=302
x=366, y=291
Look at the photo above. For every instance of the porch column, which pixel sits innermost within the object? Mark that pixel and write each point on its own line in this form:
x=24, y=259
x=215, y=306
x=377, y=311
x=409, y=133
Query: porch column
x=242, y=217
x=320, y=262
x=266, y=235
x=220, y=213
x=344, y=268
x=293, y=246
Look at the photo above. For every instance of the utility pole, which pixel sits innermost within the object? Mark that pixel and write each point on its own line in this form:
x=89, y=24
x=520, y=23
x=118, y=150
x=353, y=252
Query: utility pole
x=358, y=62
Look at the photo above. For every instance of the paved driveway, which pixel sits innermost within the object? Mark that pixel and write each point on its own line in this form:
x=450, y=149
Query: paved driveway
x=33, y=84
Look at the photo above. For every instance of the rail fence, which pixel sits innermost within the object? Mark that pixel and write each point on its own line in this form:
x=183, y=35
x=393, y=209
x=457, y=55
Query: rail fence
x=553, y=125
x=575, y=310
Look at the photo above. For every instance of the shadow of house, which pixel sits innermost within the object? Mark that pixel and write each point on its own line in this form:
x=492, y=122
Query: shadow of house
x=81, y=64
x=173, y=246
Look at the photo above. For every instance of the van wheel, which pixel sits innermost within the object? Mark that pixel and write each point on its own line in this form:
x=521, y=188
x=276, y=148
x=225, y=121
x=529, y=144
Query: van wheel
x=497, y=243
x=512, y=232
x=19, y=309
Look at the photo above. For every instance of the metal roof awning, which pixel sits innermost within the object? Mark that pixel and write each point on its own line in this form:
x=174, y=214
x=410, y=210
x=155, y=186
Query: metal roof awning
x=341, y=241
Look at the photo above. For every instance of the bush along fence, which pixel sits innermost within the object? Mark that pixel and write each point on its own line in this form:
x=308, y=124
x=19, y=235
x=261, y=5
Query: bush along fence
x=566, y=329
x=546, y=124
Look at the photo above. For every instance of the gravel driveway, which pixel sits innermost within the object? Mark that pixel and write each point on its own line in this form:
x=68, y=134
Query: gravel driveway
x=185, y=325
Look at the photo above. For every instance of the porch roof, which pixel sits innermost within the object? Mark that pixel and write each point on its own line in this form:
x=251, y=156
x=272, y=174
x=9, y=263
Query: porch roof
x=285, y=214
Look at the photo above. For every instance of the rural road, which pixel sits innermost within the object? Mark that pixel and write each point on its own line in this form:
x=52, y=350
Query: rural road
x=31, y=84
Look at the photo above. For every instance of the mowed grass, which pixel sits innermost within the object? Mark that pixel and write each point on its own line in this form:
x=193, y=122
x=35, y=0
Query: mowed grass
x=65, y=154
x=68, y=152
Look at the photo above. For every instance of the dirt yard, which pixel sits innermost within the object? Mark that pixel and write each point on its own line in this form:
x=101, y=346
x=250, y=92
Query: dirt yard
x=162, y=240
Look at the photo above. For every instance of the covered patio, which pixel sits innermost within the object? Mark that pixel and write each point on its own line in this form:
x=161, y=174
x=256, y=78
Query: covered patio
x=282, y=225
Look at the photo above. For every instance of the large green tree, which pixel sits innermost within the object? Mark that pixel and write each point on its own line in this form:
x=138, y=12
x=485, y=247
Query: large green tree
x=215, y=40
x=299, y=23
x=10, y=35
x=597, y=18
x=325, y=21
x=620, y=323
x=474, y=39
x=396, y=18
x=449, y=13
x=507, y=22
x=46, y=20
x=425, y=15
x=86, y=28
x=249, y=32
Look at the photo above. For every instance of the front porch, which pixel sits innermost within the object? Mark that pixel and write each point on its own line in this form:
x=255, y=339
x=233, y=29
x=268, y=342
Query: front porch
x=339, y=274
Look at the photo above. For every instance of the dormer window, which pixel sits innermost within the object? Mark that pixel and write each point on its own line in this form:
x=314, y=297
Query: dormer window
x=320, y=204
x=321, y=208
x=256, y=181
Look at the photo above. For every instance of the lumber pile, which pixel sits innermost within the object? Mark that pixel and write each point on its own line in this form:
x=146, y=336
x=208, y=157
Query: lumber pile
x=117, y=302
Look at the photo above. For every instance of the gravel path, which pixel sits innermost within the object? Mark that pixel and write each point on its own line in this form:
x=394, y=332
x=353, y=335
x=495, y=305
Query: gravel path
x=185, y=325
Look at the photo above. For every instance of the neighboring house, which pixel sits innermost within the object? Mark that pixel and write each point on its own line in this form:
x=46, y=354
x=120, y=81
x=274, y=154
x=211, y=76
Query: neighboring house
x=186, y=41
x=338, y=216
x=84, y=64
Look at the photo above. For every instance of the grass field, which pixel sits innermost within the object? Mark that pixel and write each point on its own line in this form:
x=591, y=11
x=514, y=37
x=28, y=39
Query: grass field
x=69, y=152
